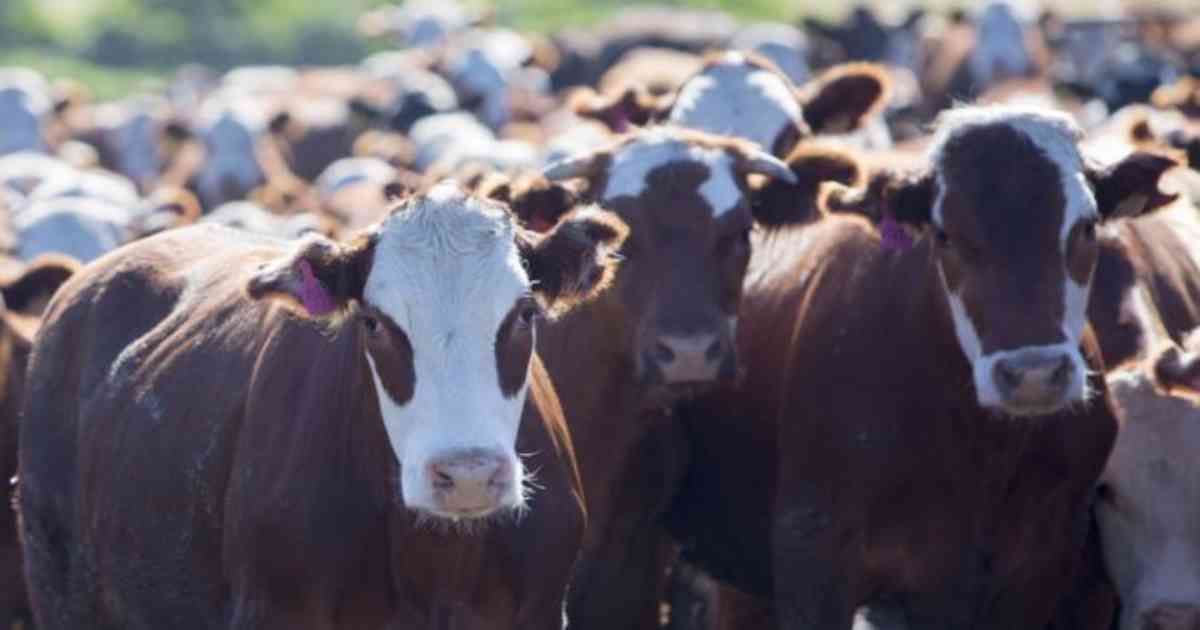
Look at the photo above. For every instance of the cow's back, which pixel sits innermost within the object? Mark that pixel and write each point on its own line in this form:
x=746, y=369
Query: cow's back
x=136, y=384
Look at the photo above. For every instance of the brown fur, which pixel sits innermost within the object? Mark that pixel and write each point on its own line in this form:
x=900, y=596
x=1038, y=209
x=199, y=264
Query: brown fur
x=25, y=296
x=270, y=447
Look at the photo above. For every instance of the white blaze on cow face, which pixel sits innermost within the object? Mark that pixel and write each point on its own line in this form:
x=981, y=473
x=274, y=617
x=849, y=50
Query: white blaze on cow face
x=734, y=97
x=633, y=164
x=1148, y=510
x=1054, y=136
x=447, y=273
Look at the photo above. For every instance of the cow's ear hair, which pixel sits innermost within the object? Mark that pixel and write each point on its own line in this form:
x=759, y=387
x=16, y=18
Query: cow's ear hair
x=318, y=274
x=538, y=202
x=1130, y=187
x=1176, y=370
x=574, y=261
x=30, y=290
x=634, y=106
x=778, y=202
x=905, y=197
x=843, y=98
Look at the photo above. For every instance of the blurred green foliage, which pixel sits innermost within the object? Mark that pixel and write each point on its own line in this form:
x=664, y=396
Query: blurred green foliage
x=115, y=45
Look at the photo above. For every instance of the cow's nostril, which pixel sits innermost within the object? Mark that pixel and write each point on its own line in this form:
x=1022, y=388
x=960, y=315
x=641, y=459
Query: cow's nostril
x=1008, y=377
x=663, y=353
x=442, y=480
x=714, y=350
x=1062, y=373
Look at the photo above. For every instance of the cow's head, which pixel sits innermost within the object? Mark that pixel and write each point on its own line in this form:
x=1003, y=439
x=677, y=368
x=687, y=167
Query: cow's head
x=1147, y=499
x=1012, y=211
x=686, y=198
x=745, y=95
x=447, y=293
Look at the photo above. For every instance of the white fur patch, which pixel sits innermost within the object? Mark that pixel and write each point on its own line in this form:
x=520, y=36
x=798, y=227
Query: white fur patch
x=732, y=98
x=447, y=271
x=654, y=149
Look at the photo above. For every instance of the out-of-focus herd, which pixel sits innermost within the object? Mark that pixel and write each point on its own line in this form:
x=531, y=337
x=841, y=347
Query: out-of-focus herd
x=873, y=324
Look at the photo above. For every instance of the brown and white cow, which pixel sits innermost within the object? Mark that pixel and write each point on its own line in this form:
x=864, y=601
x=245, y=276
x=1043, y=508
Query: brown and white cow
x=664, y=331
x=1147, y=497
x=922, y=424
x=745, y=95
x=353, y=435
x=25, y=294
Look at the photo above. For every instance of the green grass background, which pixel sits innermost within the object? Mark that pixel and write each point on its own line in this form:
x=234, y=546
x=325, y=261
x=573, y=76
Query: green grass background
x=119, y=46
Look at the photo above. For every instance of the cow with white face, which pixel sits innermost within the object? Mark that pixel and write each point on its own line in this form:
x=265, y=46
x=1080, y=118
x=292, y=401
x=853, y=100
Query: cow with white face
x=743, y=94
x=1014, y=211
x=686, y=199
x=386, y=403
x=1025, y=353
x=1147, y=499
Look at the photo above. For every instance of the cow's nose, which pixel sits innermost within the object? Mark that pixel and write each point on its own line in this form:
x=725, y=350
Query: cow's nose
x=689, y=359
x=1033, y=380
x=1171, y=617
x=471, y=483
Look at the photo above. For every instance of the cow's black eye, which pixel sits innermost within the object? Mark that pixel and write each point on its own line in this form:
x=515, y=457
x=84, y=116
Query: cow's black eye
x=1089, y=230
x=529, y=315
x=942, y=238
x=1104, y=492
x=528, y=312
x=370, y=324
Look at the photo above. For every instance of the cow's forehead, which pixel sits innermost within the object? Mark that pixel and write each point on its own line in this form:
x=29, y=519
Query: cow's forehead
x=995, y=142
x=634, y=162
x=444, y=253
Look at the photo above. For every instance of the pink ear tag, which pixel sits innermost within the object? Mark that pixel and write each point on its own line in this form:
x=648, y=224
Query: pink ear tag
x=313, y=294
x=893, y=237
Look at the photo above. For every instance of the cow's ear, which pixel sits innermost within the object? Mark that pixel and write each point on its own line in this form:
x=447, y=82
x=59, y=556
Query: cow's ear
x=574, y=261
x=1130, y=187
x=538, y=202
x=1176, y=370
x=779, y=202
x=903, y=197
x=843, y=98
x=29, y=291
x=633, y=106
x=319, y=274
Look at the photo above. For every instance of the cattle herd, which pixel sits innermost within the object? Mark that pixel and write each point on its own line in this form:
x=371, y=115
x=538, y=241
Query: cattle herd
x=670, y=321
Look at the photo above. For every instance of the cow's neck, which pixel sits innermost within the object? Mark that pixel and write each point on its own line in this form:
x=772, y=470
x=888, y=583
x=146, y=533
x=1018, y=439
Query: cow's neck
x=588, y=355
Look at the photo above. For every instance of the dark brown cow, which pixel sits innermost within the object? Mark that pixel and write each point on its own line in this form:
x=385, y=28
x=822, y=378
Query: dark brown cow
x=25, y=295
x=745, y=95
x=228, y=431
x=664, y=331
x=937, y=421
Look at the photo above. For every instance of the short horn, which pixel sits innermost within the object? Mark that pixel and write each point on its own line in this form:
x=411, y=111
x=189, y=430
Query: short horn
x=766, y=164
x=570, y=168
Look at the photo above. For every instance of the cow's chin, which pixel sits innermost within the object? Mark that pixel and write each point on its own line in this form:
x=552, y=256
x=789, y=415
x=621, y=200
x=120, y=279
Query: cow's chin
x=662, y=396
x=1031, y=410
x=468, y=521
